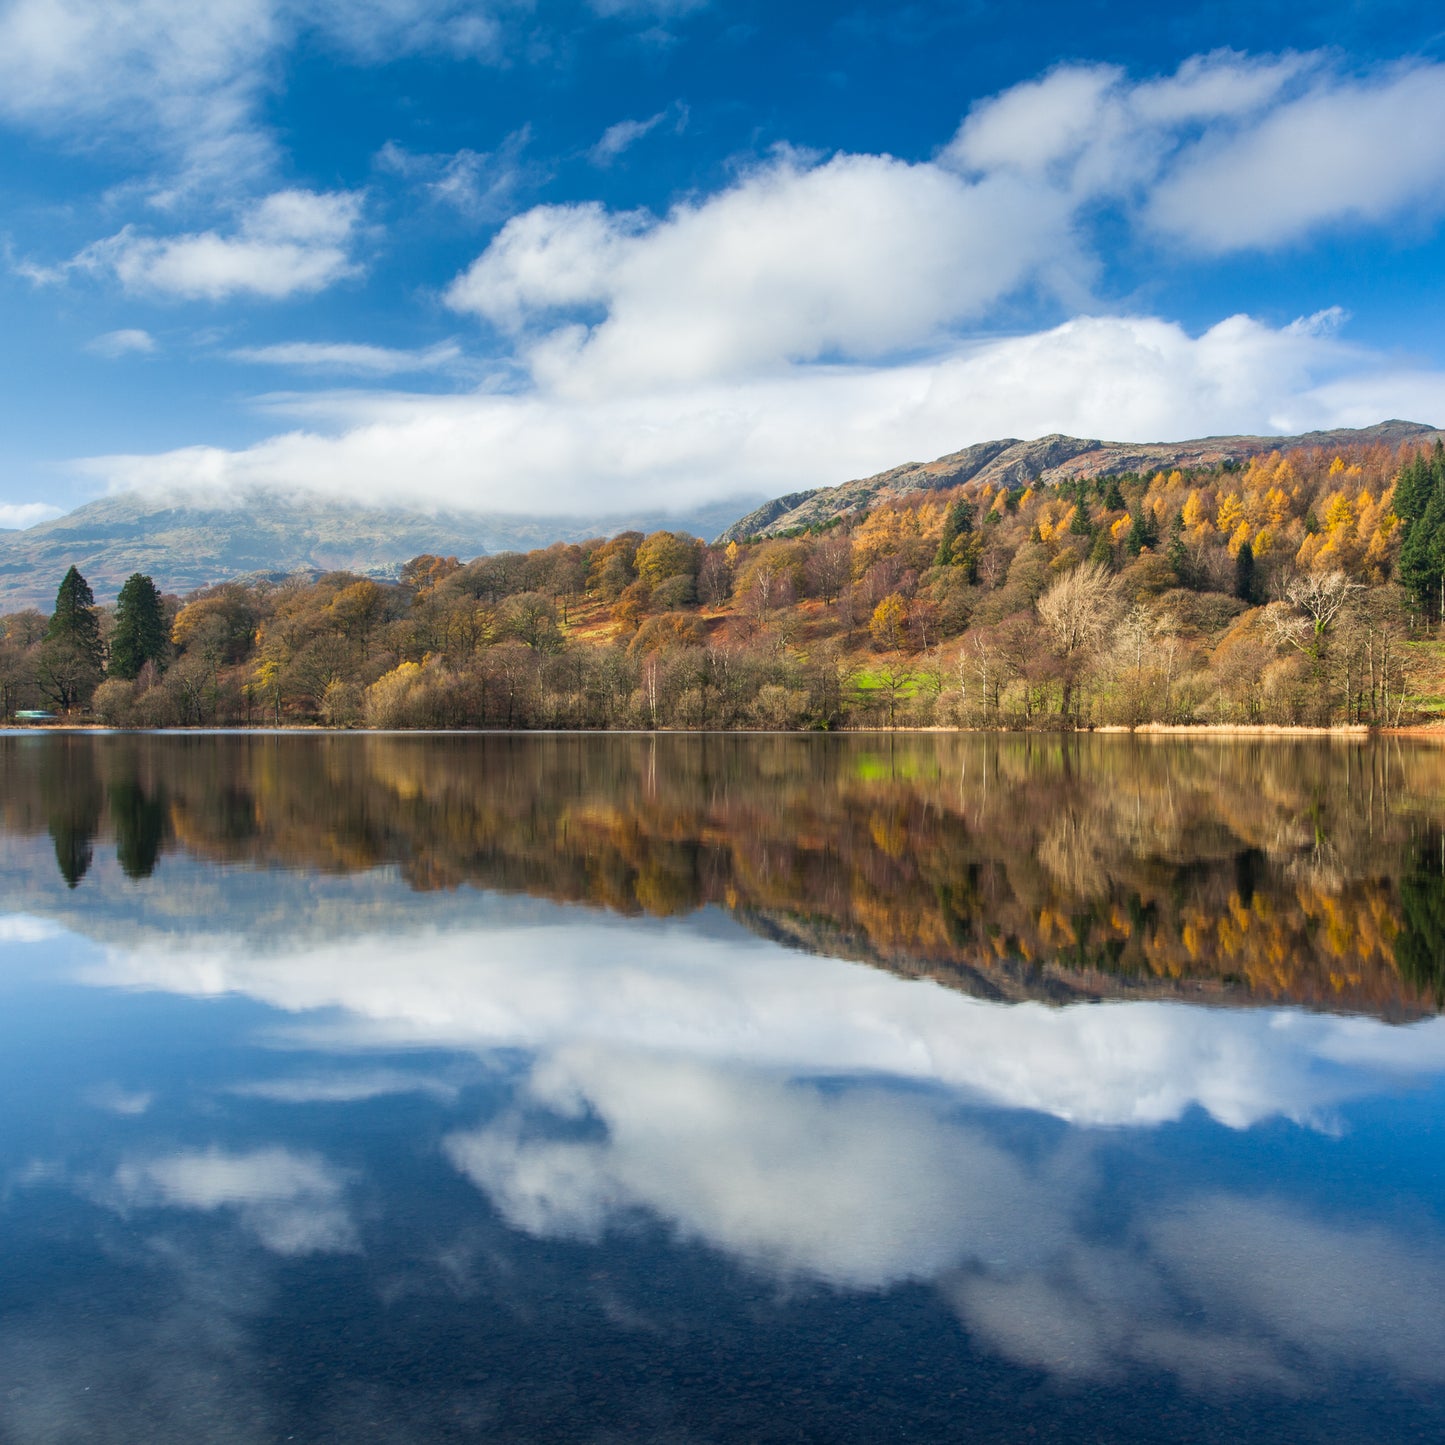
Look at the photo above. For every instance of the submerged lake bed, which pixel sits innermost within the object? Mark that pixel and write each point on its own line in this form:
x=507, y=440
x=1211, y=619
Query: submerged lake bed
x=572, y=1087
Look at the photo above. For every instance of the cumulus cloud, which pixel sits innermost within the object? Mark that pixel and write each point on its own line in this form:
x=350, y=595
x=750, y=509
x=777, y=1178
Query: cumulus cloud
x=289, y=243
x=1358, y=151
x=293, y=1203
x=350, y=357
x=858, y=257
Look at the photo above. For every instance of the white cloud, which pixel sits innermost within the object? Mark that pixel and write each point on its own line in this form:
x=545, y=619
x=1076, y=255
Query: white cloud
x=293, y=1203
x=621, y=135
x=288, y=243
x=1229, y=153
x=352, y=357
x=481, y=185
x=187, y=81
x=182, y=76
x=15, y=516
x=820, y=318
x=377, y=30
x=1344, y=151
x=1119, y=378
x=858, y=257
x=115, y=344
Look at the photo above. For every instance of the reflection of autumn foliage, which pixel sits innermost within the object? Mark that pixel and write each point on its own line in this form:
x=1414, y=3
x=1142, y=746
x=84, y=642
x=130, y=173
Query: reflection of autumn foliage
x=1014, y=865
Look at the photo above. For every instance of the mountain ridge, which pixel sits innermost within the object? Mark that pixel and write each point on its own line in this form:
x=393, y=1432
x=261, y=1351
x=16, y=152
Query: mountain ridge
x=184, y=547
x=1047, y=460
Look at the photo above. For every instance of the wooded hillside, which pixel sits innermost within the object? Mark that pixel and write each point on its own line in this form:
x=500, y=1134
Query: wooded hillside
x=1297, y=588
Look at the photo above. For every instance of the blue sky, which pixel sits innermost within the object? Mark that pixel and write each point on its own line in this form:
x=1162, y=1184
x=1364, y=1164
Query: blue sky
x=573, y=257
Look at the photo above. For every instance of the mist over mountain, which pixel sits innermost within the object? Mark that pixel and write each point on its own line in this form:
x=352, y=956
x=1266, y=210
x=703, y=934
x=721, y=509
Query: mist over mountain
x=185, y=546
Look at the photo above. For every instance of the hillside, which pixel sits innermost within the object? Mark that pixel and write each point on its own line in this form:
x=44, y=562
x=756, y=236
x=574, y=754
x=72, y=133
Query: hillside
x=188, y=546
x=1050, y=459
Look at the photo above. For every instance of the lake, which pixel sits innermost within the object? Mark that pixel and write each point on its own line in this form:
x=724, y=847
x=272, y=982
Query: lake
x=721, y=1088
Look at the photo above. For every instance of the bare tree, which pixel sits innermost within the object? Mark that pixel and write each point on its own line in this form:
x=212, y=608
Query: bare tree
x=1077, y=613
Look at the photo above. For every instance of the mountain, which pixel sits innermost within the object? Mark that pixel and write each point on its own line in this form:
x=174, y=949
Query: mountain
x=1050, y=459
x=185, y=546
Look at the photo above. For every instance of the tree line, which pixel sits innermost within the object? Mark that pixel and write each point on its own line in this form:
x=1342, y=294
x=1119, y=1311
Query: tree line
x=1300, y=588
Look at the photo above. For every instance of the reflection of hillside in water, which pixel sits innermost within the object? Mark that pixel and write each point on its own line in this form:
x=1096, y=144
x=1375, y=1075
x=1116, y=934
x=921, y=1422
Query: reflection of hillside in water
x=1012, y=866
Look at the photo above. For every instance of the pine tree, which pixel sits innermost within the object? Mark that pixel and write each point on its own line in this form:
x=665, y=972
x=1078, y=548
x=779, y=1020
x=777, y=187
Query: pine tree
x=1113, y=496
x=71, y=654
x=957, y=522
x=140, y=633
x=1176, y=554
x=1245, y=584
x=1142, y=533
x=75, y=619
x=1422, y=554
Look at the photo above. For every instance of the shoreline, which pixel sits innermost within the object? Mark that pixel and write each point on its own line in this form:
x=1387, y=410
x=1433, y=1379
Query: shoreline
x=1341, y=731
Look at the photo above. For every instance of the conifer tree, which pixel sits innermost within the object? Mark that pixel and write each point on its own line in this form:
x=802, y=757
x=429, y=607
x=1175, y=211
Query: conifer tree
x=140, y=633
x=957, y=522
x=72, y=655
x=1245, y=583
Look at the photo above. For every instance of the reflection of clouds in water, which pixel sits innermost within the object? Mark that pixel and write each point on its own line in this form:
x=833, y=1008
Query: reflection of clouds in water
x=114, y=1099
x=293, y=1203
x=668, y=989
x=351, y=1087
x=1222, y=1291
x=25, y=928
x=862, y=1188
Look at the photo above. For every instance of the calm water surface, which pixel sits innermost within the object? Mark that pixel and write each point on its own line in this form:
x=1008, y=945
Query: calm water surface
x=720, y=1089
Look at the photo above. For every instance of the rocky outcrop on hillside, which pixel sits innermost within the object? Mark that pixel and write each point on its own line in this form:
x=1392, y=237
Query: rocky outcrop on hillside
x=1047, y=460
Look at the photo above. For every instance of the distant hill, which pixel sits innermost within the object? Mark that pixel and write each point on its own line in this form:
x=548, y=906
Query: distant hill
x=188, y=546
x=1050, y=459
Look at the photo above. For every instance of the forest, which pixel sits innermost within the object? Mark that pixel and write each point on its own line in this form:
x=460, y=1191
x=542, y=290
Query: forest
x=1304, y=588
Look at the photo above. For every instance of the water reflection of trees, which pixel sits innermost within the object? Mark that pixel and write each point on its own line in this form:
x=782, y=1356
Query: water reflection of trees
x=1009, y=865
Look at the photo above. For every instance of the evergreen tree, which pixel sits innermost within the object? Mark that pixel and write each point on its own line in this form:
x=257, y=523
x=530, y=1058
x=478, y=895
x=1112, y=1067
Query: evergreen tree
x=1113, y=496
x=957, y=522
x=1245, y=582
x=71, y=655
x=140, y=632
x=1422, y=553
x=75, y=619
x=1142, y=534
x=1177, y=554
